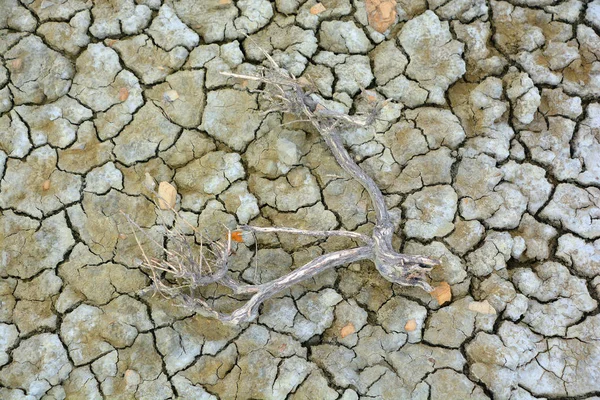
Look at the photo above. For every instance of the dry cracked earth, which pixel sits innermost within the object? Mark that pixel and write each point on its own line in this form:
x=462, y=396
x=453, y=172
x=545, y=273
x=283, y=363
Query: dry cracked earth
x=488, y=152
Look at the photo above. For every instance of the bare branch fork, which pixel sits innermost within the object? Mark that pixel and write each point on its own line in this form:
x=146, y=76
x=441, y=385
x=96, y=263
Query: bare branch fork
x=287, y=94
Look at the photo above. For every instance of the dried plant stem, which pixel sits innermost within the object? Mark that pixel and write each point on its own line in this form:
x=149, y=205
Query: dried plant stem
x=287, y=94
x=273, y=229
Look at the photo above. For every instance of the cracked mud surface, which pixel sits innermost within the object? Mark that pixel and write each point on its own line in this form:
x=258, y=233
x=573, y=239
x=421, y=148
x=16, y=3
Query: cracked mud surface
x=488, y=153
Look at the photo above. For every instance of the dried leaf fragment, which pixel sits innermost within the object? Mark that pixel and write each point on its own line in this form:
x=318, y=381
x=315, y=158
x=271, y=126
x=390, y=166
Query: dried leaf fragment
x=482, y=307
x=46, y=185
x=381, y=14
x=317, y=9
x=236, y=236
x=123, y=94
x=411, y=325
x=442, y=293
x=347, y=330
x=167, y=196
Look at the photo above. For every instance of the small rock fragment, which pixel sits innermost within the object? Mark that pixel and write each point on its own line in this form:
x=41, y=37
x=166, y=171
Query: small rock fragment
x=347, y=330
x=411, y=325
x=167, y=196
x=381, y=14
x=317, y=9
x=482, y=307
x=442, y=293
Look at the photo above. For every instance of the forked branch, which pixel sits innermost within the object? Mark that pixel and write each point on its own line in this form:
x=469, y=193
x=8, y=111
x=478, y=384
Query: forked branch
x=185, y=273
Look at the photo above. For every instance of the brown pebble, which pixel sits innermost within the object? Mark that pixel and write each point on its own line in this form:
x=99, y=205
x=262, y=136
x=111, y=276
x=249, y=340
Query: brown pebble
x=410, y=326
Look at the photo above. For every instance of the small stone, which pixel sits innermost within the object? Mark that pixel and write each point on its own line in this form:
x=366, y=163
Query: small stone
x=167, y=196
x=381, y=14
x=317, y=9
x=411, y=325
x=347, y=330
x=123, y=94
x=482, y=307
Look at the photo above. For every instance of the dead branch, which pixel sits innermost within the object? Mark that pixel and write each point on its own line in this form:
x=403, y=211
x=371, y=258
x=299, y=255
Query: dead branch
x=182, y=272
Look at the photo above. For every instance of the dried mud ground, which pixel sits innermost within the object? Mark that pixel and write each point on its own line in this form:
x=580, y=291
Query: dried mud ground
x=488, y=152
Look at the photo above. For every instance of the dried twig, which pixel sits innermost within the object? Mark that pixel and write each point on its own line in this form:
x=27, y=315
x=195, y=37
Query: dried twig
x=190, y=271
